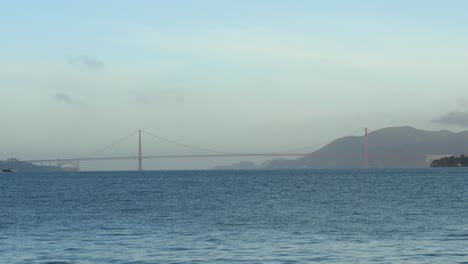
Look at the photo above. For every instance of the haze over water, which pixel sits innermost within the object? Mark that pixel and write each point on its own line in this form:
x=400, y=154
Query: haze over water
x=303, y=216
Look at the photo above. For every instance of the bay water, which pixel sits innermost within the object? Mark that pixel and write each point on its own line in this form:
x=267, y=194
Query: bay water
x=264, y=216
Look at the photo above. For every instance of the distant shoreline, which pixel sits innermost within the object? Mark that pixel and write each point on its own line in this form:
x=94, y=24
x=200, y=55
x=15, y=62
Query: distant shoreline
x=450, y=162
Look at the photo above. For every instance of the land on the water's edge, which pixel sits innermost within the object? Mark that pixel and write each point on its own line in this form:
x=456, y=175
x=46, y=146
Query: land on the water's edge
x=22, y=166
x=392, y=147
x=451, y=161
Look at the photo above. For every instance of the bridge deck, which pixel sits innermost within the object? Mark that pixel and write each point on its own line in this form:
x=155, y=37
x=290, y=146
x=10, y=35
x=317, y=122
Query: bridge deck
x=176, y=157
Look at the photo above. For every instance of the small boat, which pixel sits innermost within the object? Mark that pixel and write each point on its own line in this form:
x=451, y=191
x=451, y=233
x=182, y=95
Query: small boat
x=8, y=170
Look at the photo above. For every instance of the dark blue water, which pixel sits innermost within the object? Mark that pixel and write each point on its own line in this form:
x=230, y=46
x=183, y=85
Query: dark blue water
x=342, y=216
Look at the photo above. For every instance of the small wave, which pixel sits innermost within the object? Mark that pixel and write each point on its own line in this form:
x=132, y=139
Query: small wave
x=112, y=228
x=454, y=237
x=458, y=235
x=213, y=240
x=431, y=255
x=71, y=249
x=316, y=259
x=123, y=234
x=131, y=210
x=179, y=249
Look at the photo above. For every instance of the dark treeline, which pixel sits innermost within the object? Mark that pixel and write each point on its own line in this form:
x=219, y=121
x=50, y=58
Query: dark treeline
x=451, y=161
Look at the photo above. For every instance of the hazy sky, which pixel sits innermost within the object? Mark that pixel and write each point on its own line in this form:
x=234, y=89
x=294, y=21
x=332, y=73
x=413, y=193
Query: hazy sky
x=239, y=76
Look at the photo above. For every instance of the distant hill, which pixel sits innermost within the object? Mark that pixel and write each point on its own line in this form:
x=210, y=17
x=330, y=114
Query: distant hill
x=393, y=147
x=243, y=165
x=22, y=166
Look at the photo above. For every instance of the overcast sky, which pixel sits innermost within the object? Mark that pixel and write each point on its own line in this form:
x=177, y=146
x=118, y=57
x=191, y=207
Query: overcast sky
x=236, y=76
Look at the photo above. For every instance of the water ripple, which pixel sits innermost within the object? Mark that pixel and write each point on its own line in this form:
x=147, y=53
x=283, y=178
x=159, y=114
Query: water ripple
x=309, y=216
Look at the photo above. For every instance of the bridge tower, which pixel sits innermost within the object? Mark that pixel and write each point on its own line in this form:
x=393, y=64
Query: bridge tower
x=366, y=149
x=140, y=157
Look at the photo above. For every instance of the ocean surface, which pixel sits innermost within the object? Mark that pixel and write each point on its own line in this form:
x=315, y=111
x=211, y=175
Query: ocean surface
x=300, y=216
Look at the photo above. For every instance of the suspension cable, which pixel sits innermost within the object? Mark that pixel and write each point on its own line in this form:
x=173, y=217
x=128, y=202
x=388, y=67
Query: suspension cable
x=106, y=147
x=203, y=149
x=317, y=145
x=187, y=146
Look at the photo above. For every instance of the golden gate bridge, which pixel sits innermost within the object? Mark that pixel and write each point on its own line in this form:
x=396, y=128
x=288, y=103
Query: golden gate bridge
x=74, y=163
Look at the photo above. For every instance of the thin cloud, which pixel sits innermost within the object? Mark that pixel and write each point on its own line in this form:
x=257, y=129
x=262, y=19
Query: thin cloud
x=88, y=62
x=66, y=99
x=60, y=97
x=160, y=96
x=140, y=98
x=463, y=103
x=453, y=118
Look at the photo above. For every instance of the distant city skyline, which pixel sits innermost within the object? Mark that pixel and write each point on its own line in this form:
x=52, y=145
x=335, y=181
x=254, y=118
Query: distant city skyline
x=239, y=76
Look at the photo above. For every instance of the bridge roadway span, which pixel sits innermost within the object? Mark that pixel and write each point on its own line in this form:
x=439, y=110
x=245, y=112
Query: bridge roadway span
x=175, y=157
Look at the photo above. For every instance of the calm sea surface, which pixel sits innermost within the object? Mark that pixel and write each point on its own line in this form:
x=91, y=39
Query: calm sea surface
x=303, y=216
